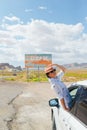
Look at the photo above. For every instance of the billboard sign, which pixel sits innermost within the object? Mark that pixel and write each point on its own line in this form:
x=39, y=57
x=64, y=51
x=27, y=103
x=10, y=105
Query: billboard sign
x=37, y=60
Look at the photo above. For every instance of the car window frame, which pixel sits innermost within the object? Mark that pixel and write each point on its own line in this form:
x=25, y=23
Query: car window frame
x=72, y=88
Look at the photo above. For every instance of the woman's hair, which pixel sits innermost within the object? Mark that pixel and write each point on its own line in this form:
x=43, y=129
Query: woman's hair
x=48, y=75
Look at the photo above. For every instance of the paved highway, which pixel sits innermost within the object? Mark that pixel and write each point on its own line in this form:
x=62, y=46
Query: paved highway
x=24, y=106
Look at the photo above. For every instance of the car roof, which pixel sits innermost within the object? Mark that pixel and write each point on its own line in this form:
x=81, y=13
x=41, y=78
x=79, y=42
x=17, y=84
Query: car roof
x=84, y=83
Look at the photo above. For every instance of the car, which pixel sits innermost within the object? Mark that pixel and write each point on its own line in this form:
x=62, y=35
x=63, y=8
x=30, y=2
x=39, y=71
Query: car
x=76, y=118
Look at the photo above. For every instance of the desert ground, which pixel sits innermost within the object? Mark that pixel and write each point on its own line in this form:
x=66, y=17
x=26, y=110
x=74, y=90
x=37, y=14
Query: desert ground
x=24, y=106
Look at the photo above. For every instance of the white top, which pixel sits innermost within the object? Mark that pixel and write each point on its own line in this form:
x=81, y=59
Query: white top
x=60, y=88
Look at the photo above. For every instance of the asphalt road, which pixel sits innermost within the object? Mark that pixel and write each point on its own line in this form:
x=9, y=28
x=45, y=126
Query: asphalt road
x=24, y=106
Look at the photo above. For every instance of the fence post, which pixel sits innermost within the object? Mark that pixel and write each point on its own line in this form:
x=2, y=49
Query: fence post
x=38, y=73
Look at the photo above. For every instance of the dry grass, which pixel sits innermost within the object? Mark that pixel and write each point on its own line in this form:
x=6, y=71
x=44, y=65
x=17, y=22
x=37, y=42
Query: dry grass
x=75, y=75
x=34, y=76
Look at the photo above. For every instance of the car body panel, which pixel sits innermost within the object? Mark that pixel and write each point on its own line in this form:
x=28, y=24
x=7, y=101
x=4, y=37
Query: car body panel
x=76, y=124
x=83, y=82
x=67, y=120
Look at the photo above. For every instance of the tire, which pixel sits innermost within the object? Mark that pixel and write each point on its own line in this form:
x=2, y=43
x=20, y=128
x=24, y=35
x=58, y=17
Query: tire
x=53, y=125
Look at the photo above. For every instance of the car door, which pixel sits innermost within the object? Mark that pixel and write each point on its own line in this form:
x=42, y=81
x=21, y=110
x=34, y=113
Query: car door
x=75, y=124
x=68, y=121
x=63, y=119
x=64, y=115
x=78, y=119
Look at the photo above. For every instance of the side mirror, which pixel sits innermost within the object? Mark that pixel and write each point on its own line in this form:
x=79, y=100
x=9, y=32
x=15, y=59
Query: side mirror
x=54, y=102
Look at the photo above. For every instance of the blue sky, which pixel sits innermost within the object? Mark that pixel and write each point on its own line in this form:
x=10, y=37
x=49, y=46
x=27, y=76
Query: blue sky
x=43, y=26
x=62, y=11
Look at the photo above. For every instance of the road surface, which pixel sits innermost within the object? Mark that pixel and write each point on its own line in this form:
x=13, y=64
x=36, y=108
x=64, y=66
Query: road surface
x=24, y=106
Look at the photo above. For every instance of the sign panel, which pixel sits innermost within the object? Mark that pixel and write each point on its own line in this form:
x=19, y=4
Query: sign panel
x=37, y=60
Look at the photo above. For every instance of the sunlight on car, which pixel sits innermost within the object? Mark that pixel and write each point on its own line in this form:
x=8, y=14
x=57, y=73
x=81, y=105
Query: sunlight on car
x=76, y=118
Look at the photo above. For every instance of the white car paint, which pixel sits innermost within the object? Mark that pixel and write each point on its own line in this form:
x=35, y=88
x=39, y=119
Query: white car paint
x=65, y=120
x=84, y=82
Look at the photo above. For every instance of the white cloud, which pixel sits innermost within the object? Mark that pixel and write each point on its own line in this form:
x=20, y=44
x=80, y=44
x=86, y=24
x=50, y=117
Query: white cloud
x=42, y=7
x=13, y=18
x=67, y=43
x=86, y=19
x=28, y=10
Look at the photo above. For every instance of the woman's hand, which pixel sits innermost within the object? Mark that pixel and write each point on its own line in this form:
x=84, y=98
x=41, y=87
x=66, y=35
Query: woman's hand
x=59, y=66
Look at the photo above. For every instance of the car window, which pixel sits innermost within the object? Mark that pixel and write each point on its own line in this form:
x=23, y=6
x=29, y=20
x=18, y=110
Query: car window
x=73, y=91
x=81, y=111
x=79, y=94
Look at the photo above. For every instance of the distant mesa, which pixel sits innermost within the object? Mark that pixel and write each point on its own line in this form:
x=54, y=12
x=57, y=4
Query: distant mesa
x=76, y=66
x=8, y=67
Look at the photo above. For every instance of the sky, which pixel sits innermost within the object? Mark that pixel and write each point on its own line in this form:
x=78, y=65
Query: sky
x=57, y=27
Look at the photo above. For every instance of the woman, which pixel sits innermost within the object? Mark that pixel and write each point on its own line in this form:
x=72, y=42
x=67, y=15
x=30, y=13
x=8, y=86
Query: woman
x=59, y=87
